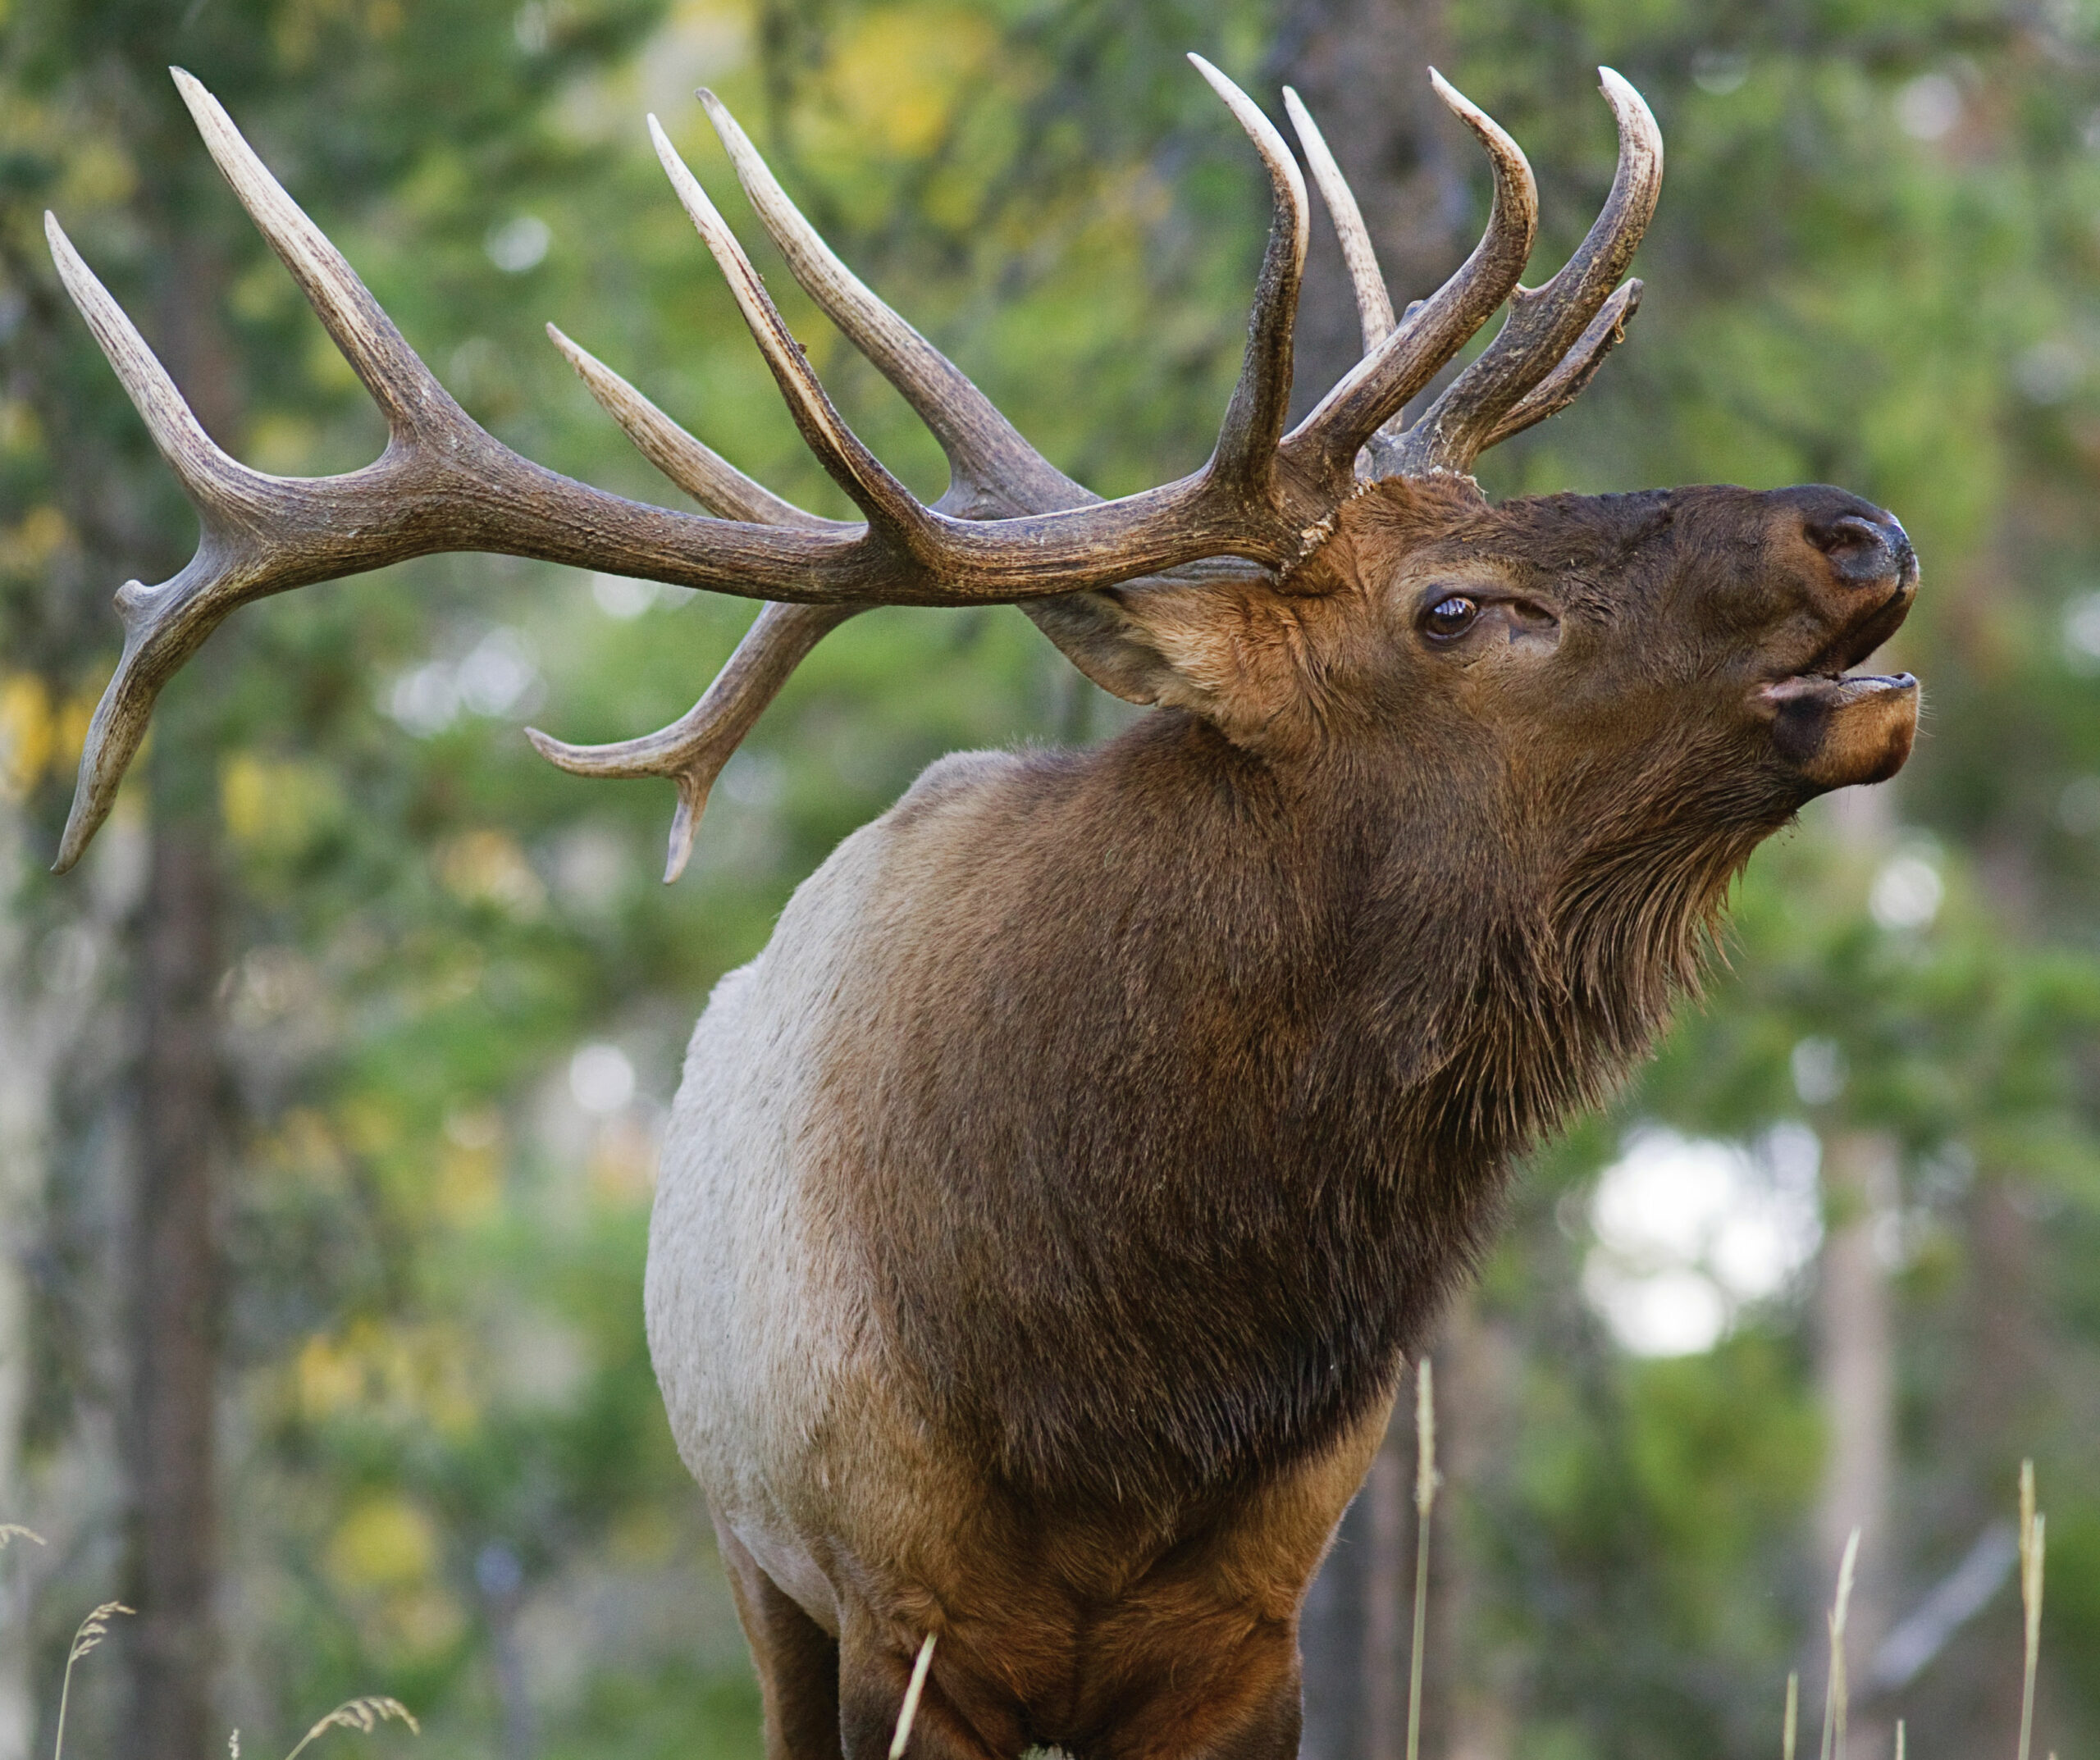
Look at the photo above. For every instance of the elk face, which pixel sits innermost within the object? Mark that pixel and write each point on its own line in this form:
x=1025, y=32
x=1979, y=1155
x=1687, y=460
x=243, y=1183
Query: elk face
x=1692, y=644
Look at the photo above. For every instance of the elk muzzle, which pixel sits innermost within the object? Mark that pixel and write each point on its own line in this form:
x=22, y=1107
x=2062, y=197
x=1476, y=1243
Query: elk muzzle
x=1834, y=727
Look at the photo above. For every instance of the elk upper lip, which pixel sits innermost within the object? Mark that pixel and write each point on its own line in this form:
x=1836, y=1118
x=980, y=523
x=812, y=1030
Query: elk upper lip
x=1851, y=646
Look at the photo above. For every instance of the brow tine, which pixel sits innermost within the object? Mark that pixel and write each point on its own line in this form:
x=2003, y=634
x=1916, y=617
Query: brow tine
x=993, y=466
x=696, y=467
x=885, y=500
x=1374, y=303
x=692, y=751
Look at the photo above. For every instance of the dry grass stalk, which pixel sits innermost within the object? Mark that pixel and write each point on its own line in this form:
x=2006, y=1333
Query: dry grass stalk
x=909, y=1714
x=92, y=1630
x=1836, y=1697
x=2032, y=1546
x=1899, y=1739
x=362, y=1714
x=13, y=1530
x=1426, y=1482
x=1792, y=1727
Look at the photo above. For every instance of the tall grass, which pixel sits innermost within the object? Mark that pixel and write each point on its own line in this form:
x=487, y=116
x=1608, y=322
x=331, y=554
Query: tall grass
x=1425, y=1500
x=2032, y=1542
x=2031, y=1539
x=909, y=1713
x=1835, y=1695
x=90, y=1632
x=364, y=1714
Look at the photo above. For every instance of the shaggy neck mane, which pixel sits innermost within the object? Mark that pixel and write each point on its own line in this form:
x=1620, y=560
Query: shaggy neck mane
x=1234, y=1170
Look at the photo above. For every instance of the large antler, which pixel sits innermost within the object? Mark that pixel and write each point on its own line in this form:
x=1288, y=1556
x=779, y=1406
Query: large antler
x=1557, y=335
x=994, y=473
x=1011, y=529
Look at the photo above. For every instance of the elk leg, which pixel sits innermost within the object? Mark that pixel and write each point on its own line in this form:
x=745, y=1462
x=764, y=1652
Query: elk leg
x=796, y=1659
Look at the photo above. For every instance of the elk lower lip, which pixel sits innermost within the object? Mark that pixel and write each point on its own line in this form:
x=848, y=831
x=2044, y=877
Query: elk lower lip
x=1833, y=689
x=1834, y=731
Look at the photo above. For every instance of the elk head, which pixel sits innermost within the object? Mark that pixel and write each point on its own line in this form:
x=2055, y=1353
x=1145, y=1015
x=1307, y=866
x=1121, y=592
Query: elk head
x=1346, y=576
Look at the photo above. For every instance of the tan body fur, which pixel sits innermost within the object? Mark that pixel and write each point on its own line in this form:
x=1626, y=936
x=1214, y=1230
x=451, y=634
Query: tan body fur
x=831, y=1486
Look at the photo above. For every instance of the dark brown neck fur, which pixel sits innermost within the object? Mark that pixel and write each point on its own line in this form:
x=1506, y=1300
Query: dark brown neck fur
x=1241, y=1055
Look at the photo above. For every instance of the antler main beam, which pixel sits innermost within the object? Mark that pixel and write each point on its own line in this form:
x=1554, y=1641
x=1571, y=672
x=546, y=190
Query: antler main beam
x=1012, y=528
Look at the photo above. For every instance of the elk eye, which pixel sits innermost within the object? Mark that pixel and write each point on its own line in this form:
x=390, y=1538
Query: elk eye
x=1449, y=618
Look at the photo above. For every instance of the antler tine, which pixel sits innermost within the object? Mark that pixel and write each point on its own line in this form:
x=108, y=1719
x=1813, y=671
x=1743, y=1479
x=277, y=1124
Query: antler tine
x=696, y=467
x=210, y=479
x=1564, y=384
x=692, y=751
x=407, y=391
x=1545, y=323
x=1253, y=420
x=886, y=501
x=1380, y=385
x=1374, y=303
x=205, y=471
x=995, y=470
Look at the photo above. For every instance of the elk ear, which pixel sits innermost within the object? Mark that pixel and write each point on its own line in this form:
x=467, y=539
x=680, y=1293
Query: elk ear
x=1230, y=651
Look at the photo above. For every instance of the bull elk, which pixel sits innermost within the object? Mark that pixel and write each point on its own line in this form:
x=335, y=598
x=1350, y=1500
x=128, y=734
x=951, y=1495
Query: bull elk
x=1046, y=1214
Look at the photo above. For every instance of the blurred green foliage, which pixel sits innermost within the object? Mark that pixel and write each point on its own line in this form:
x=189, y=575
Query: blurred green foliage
x=1878, y=263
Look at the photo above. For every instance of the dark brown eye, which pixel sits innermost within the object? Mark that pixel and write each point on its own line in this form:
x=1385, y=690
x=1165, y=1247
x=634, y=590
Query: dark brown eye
x=1449, y=618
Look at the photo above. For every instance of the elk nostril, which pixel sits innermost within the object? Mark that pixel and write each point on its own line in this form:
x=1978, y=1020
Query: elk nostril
x=1861, y=547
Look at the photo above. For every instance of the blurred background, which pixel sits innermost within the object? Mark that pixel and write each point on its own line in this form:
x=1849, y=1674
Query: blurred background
x=331, y=1084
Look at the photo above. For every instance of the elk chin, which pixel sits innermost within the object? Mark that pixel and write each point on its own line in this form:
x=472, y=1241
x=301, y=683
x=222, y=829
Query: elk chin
x=1835, y=732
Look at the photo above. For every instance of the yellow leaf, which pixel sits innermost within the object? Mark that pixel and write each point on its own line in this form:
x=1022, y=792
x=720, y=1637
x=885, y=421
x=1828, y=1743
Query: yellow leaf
x=275, y=807
x=487, y=868
x=28, y=733
x=384, y=1543
x=329, y=1378
x=896, y=74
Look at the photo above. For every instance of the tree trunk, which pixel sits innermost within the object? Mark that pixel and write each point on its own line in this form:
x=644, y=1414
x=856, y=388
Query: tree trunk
x=175, y=1280
x=1856, y=1337
x=1362, y=68
x=175, y=1273
x=1470, y=1713
x=25, y=1077
x=1855, y=1372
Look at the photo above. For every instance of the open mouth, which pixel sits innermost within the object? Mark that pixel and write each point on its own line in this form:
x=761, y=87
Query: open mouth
x=1833, y=727
x=1829, y=676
